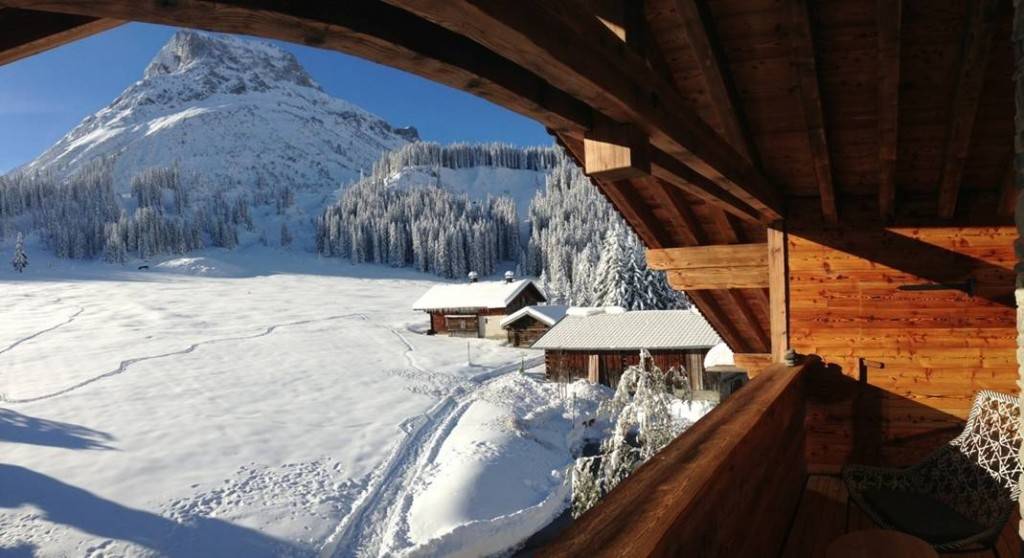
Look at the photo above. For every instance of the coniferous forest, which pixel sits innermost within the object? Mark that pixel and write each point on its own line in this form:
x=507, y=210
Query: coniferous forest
x=572, y=239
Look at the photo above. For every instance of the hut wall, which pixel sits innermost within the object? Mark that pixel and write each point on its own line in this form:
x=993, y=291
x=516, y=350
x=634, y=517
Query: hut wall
x=437, y=322
x=526, y=331
x=903, y=364
x=572, y=365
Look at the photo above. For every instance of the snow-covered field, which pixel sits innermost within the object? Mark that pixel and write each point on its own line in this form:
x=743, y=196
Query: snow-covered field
x=263, y=403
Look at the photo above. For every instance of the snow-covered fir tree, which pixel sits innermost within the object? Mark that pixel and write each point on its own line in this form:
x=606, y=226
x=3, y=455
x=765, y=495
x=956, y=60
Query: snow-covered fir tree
x=430, y=228
x=20, y=259
x=642, y=423
x=81, y=217
x=584, y=251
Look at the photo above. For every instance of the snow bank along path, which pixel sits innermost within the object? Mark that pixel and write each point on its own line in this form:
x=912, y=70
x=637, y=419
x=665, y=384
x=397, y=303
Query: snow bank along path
x=376, y=515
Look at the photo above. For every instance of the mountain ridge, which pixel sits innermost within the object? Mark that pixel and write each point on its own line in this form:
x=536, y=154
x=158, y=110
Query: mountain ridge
x=205, y=103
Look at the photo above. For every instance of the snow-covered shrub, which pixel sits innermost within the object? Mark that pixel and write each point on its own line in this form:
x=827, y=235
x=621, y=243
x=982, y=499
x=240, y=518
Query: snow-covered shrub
x=643, y=422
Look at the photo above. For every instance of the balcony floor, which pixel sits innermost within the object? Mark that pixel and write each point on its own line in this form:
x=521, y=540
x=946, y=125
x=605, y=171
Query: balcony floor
x=821, y=518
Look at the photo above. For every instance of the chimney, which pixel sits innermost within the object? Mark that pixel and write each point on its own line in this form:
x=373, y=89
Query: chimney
x=473, y=277
x=509, y=276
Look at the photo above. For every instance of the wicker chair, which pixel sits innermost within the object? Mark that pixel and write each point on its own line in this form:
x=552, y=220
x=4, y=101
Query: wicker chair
x=960, y=496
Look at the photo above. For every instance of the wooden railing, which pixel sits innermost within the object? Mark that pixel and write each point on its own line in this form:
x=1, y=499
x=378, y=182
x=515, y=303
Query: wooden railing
x=728, y=486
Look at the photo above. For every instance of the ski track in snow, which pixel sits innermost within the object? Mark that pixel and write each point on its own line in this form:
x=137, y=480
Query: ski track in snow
x=125, y=364
x=43, y=331
x=383, y=508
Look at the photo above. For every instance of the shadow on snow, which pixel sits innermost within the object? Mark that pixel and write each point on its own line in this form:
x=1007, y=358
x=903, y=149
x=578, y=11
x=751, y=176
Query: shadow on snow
x=82, y=510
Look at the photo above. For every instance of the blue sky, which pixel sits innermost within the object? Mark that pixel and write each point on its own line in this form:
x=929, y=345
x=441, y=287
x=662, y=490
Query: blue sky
x=44, y=96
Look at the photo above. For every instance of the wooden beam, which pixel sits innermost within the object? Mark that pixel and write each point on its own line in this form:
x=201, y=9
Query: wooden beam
x=698, y=27
x=670, y=170
x=697, y=257
x=622, y=197
x=718, y=318
x=778, y=294
x=805, y=67
x=615, y=151
x=889, y=25
x=573, y=51
x=694, y=235
x=718, y=278
x=976, y=44
x=27, y=32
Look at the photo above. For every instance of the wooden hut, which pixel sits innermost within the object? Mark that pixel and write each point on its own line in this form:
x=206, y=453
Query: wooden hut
x=526, y=325
x=599, y=343
x=476, y=308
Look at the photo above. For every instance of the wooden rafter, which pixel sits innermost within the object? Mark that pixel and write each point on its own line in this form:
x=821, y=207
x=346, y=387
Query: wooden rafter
x=26, y=32
x=889, y=25
x=576, y=53
x=806, y=68
x=671, y=198
x=694, y=235
x=652, y=235
x=976, y=44
x=697, y=26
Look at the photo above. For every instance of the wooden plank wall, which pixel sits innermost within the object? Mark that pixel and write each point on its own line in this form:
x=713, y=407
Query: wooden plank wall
x=573, y=365
x=526, y=331
x=936, y=347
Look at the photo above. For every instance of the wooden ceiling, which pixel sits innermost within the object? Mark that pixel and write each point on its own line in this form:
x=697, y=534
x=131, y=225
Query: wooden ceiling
x=757, y=111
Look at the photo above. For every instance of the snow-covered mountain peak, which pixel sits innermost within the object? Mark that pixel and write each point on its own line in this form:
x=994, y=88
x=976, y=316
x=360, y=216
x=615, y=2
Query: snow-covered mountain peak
x=231, y=112
x=222, y=60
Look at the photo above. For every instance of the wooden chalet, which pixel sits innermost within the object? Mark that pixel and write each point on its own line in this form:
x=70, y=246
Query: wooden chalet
x=598, y=344
x=528, y=324
x=476, y=308
x=834, y=177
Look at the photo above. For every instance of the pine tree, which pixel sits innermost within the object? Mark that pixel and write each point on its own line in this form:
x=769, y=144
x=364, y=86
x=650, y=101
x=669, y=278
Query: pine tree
x=20, y=260
x=611, y=281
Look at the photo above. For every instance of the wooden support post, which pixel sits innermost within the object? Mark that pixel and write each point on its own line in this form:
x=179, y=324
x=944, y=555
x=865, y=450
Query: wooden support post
x=778, y=294
x=613, y=151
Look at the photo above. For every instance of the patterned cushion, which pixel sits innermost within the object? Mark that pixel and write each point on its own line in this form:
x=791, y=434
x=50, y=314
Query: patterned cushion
x=921, y=516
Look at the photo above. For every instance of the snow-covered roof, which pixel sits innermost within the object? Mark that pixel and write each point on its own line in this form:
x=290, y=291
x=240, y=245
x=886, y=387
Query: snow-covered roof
x=482, y=294
x=548, y=314
x=643, y=329
x=720, y=358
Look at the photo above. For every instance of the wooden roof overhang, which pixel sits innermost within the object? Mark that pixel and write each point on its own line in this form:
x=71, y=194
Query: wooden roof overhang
x=705, y=122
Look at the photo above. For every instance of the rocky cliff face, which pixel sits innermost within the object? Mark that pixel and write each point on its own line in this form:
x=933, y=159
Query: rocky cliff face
x=231, y=112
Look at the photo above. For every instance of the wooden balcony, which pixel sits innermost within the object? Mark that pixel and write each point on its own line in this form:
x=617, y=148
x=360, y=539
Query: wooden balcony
x=737, y=483
x=729, y=486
